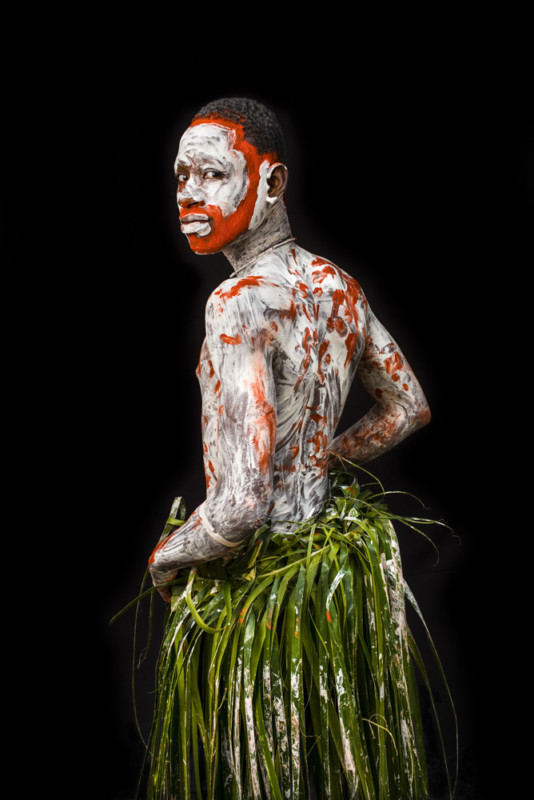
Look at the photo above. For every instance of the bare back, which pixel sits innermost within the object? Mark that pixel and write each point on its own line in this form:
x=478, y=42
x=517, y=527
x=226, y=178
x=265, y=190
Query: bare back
x=284, y=340
x=291, y=332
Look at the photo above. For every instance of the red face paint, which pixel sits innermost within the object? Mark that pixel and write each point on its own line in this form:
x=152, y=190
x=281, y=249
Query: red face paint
x=220, y=148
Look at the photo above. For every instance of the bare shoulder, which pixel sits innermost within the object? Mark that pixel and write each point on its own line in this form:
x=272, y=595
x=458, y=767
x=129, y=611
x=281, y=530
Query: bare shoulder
x=330, y=279
x=246, y=309
x=285, y=285
x=267, y=287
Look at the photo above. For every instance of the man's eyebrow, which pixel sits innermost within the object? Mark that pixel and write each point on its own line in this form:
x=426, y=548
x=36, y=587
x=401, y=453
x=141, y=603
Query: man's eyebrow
x=208, y=159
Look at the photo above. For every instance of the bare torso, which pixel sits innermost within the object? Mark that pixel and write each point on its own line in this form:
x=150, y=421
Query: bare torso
x=305, y=319
x=284, y=340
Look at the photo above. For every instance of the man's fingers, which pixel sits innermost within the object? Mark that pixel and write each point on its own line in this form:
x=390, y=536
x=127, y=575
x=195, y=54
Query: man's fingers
x=163, y=577
x=165, y=593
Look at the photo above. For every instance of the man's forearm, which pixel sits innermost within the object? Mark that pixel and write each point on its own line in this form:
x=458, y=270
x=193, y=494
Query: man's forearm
x=376, y=433
x=193, y=543
x=205, y=537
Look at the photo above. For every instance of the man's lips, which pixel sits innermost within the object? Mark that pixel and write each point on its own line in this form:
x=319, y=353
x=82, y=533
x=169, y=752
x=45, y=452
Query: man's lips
x=195, y=223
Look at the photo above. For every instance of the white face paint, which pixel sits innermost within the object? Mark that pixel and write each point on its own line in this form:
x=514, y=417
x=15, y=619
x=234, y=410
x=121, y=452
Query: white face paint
x=211, y=175
x=223, y=187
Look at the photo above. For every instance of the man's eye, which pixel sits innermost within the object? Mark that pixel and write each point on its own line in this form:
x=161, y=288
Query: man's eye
x=213, y=174
x=181, y=177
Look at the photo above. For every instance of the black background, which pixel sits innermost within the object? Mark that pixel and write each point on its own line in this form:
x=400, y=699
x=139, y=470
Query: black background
x=411, y=166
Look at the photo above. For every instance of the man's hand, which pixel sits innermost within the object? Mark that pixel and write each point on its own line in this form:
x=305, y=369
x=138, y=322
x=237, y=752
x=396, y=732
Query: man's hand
x=162, y=576
x=400, y=405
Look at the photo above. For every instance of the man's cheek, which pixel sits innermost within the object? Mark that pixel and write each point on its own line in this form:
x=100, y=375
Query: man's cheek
x=229, y=197
x=224, y=230
x=227, y=207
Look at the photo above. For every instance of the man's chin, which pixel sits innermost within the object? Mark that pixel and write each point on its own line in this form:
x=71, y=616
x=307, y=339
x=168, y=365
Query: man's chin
x=201, y=247
x=218, y=239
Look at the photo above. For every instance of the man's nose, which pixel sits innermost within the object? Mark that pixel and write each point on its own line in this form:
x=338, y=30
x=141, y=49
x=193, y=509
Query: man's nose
x=186, y=200
x=190, y=195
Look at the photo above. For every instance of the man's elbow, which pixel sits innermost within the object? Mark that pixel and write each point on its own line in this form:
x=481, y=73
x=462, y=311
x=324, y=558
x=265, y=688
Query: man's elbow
x=424, y=415
x=239, y=518
x=414, y=415
x=417, y=417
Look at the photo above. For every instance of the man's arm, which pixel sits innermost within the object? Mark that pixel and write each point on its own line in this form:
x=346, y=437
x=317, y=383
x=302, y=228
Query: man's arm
x=239, y=503
x=400, y=406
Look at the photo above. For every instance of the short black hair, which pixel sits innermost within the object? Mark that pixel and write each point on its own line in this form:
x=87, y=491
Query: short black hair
x=260, y=125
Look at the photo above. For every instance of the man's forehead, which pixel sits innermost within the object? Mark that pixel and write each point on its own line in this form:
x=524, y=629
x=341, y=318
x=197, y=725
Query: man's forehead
x=207, y=136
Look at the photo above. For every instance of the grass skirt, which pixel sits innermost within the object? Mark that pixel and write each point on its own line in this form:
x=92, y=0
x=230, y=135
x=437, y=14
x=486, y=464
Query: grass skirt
x=287, y=669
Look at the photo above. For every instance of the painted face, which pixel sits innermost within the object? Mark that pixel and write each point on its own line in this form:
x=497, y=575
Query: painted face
x=222, y=185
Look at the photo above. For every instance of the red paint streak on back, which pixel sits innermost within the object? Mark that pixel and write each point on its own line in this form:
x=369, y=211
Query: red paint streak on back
x=328, y=269
x=299, y=381
x=340, y=326
x=322, y=351
x=338, y=299
x=252, y=280
x=264, y=426
x=320, y=440
x=292, y=311
x=306, y=339
x=230, y=339
x=350, y=343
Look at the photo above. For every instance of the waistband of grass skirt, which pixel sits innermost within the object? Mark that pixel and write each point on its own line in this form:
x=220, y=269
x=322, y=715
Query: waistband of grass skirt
x=350, y=508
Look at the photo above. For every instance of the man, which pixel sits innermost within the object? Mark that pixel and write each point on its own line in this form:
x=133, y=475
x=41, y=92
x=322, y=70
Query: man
x=285, y=336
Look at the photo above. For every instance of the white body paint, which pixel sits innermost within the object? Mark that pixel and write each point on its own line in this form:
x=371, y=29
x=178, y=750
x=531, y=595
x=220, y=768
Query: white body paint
x=284, y=340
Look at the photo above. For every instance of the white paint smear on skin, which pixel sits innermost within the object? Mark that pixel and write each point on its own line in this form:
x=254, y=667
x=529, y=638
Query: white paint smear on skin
x=200, y=228
x=263, y=202
x=210, y=146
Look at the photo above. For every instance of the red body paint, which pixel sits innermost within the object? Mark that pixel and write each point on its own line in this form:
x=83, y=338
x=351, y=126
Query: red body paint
x=230, y=339
x=393, y=364
x=350, y=343
x=237, y=287
x=299, y=329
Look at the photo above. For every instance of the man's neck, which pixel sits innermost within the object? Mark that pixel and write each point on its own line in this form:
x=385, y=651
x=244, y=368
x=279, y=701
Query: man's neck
x=245, y=251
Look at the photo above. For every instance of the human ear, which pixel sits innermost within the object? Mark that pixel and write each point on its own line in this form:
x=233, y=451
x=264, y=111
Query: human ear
x=277, y=180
